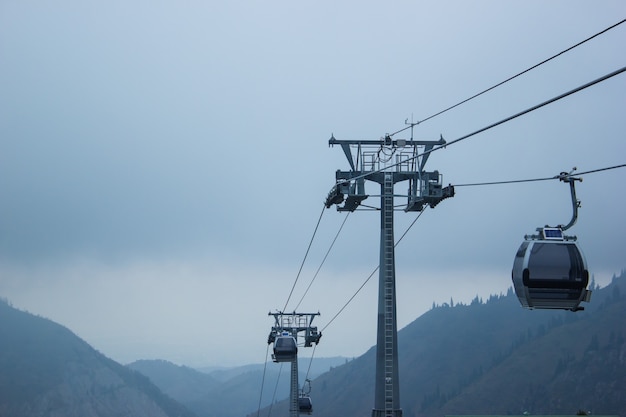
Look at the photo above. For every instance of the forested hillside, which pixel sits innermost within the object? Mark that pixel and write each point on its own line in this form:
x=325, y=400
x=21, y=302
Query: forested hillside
x=494, y=357
x=46, y=370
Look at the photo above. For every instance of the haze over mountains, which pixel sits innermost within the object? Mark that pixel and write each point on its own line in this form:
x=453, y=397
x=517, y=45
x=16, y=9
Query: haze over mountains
x=230, y=392
x=489, y=357
x=46, y=370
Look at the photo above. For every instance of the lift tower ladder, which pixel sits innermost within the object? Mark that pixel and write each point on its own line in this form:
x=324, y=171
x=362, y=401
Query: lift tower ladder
x=388, y=289
x=387, y=161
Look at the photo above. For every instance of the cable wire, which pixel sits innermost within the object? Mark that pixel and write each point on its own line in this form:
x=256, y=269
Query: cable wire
x=555, y=177
x=504, y=182
x=533, y=108
x=305, y=256
x=350, y=299
x=323, y=261
x=310, y=363
x=280, y=371
x=263, y=381
x=370, y=276
x=491, y=126
x=601, y=169
x=510, y=78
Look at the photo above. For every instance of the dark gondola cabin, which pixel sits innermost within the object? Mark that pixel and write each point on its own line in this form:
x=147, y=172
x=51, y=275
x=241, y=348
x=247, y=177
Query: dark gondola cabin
x=550, y=272
x=285, y=348
x=305, y=405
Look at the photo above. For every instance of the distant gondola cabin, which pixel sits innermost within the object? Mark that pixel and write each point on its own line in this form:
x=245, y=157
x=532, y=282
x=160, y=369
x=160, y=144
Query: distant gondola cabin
x=285, y=348
x=305, y=405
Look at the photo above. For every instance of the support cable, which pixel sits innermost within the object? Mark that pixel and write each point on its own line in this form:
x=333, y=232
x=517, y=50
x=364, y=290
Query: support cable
x=555, y=177
x=601, y=169
x=305, y=256
x=508, y=119
x=323, y=261
x=310, y=363
x=411, y=125
x=269, y=412
x=533, y=108
x=370, y=276
x=503, y=182
x=258, y=412
x=350, y=299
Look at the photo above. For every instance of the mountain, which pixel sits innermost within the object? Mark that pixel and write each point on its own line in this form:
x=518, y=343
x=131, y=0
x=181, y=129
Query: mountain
x=315, y=368
x=46, y=370
x=491, y=357
x=495, y=357
x=182, y=383
x=226, y=392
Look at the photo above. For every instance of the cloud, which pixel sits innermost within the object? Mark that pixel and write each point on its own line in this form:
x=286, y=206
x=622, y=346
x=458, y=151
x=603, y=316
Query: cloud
x=165, y=164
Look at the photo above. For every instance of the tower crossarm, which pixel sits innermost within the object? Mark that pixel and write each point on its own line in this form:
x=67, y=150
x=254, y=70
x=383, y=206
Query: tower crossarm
x=295, y=323
x=386, y=141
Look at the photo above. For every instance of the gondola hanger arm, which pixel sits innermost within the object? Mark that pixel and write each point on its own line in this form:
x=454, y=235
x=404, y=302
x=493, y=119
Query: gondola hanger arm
x=568, y=178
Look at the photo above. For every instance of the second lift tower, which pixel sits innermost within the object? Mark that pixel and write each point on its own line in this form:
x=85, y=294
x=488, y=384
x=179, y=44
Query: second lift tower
x=386, y=162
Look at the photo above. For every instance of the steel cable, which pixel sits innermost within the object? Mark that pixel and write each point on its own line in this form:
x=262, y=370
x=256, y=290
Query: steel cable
x=323, y=261
x=510, y=78
x=305, y=256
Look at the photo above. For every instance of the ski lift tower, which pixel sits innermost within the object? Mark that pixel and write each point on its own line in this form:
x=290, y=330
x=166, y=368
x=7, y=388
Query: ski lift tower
x=288, y=325
x=386, y=162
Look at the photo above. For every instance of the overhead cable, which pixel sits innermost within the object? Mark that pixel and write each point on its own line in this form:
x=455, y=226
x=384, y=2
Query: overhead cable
x=508, y=119
x=350, y=299
x=323, y=261
x=538, y=106
x=510, y=78
x=280, y=371
x=370, y=275
x=555, y=177
x=305, y=256
x=503, y=182
x=310, y=363
x=263, y=381
x=602, y=169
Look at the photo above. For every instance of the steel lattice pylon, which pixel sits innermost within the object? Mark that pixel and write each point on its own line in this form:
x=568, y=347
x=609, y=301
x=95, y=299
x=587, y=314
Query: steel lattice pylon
x=375, y=162
x=293, y=324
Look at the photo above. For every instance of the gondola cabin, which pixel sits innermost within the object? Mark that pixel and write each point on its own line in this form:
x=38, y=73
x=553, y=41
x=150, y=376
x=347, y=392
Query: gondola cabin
x=550, y=272
x=305, y=405
x=285, y=348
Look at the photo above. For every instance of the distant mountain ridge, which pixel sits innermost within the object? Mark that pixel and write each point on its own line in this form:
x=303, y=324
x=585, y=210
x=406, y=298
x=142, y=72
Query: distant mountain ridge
x=314, y=368
x=46, y=370
x=227, y=392
x=490, y=357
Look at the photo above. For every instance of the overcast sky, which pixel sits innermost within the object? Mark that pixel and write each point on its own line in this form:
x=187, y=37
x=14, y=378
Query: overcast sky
x=163, y=164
